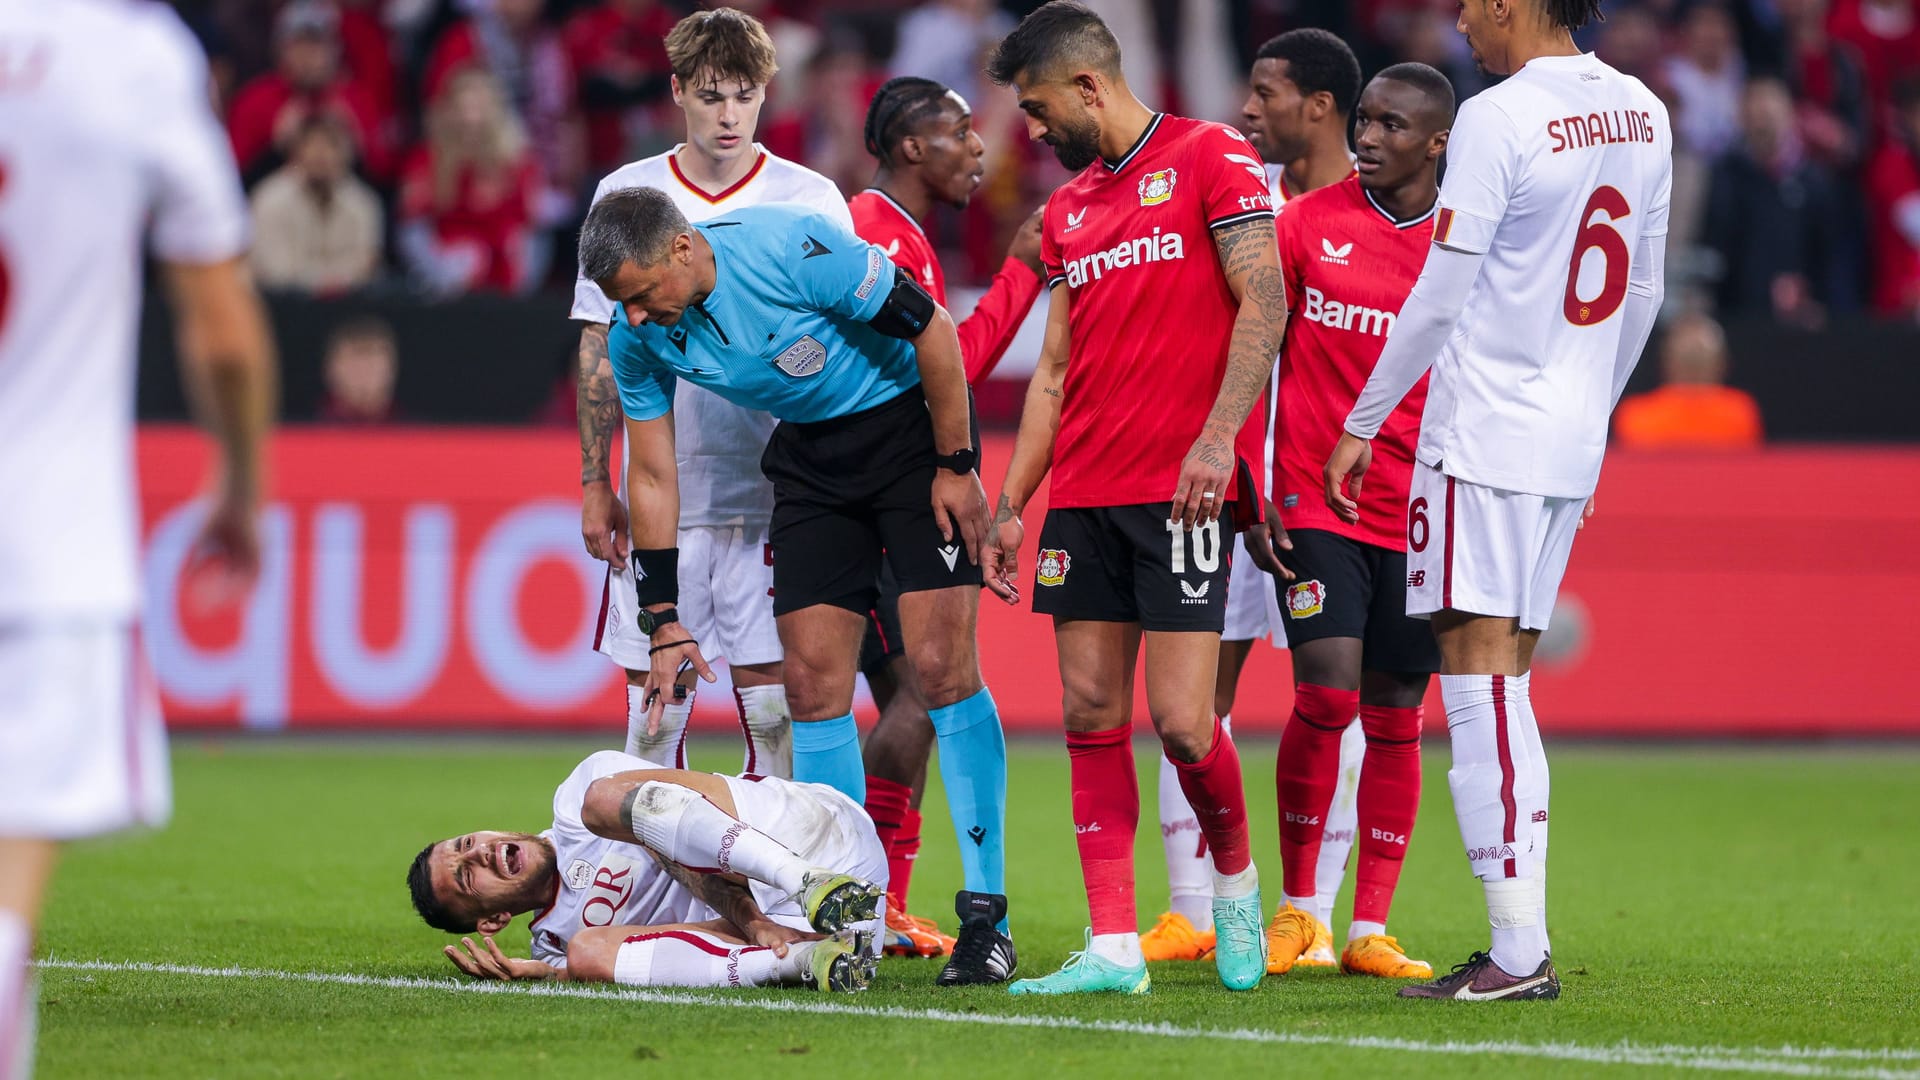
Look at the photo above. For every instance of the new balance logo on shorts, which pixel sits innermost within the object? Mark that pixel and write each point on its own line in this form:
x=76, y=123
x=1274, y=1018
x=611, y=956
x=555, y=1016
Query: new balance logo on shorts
x=1416, y=578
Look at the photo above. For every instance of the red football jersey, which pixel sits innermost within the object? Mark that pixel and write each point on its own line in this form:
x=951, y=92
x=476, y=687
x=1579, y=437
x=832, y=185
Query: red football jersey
x=1149, y=311
x=990, y=328
x=1348, y=268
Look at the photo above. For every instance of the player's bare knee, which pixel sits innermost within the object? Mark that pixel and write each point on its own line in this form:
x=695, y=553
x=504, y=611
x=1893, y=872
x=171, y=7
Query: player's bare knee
x=944, y=676
x=1186, y=741
x=1089, y=705
x=600, y=810
x=590, y=958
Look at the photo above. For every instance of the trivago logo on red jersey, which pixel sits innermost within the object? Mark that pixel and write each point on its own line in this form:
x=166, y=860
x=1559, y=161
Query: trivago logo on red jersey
x=1141, y=249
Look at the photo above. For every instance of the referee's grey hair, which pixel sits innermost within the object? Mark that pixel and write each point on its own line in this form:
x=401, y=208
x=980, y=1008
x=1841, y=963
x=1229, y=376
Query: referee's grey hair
x=636, y=225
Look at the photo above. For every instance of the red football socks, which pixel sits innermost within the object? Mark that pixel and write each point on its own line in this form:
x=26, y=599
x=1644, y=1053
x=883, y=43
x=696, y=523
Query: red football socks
x=890, y=805
x=1389, y=800
x=1106, y=814
x=1217, y=793
x=1305, y=774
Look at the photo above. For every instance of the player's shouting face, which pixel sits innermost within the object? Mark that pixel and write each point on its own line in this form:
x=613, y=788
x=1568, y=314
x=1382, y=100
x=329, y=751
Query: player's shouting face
x=486, y=877
x=1058, y=114
x=1397, y=130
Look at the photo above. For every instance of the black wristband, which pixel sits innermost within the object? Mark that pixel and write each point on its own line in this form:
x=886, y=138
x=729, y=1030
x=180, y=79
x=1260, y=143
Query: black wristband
x=656, y=575
x=671, y=645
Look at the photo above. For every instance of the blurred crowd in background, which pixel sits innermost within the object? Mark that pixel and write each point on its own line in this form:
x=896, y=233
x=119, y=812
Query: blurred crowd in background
x=445, y=147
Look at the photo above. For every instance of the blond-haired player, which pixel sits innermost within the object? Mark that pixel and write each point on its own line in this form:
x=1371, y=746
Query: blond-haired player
x=722, y=61
x=106, y=141
x=1537, y=296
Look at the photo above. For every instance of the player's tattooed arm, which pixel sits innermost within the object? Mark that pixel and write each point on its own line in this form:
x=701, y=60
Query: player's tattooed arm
x=1032, y=452
x=1251, y=264
x=729, y=896
x=598, y=403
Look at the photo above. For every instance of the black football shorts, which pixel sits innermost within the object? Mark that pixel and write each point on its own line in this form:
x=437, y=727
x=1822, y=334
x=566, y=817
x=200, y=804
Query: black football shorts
x=1345, y=588
x=849, y=492
x=1129, y=564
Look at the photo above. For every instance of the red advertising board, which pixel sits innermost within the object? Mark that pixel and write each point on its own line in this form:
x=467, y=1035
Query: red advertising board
x=435, y=578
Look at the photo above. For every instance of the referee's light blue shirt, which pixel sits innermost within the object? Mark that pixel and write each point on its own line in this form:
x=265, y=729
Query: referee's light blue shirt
x=785, y=329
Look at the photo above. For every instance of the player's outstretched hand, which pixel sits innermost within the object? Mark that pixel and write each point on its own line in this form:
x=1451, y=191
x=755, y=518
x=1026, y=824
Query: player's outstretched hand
x=1351, y=459
x=768, y=934
x=674, y=651
x=1002, y=565
x=603, y=524
x=960, y=505
x=491, y=963
x=1266, y=541
x=1202, y=490
x=1585, y=514
x=224, y=561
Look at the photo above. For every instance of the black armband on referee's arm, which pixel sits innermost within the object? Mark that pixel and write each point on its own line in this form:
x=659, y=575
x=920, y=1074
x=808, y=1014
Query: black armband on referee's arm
x=656, y=575
x=907, y=311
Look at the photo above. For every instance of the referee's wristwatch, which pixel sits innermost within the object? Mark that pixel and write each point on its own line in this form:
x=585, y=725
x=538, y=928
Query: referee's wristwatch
x=651, y=621
x=960, y=461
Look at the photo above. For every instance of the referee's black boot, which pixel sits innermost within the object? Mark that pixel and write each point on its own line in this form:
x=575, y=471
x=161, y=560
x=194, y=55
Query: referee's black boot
x=982, y=954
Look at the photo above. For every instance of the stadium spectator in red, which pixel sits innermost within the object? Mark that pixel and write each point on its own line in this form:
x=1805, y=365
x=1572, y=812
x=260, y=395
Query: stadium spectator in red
x=1773, y=219
x=1828, y=82
x=366, y=53
x=619, y=59
x=511, y=41
x=362, y=362
x=467, y=196
x=1887, y=35
x=1893, y=191
x=1693, y=409
x=306, y=80
x=316, y=227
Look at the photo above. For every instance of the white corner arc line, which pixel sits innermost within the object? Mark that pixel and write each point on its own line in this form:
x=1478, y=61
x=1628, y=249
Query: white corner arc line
x=1815, y=1061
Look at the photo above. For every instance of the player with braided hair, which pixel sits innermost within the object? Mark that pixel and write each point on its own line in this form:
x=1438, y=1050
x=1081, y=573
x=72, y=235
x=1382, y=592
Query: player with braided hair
x=921, y=133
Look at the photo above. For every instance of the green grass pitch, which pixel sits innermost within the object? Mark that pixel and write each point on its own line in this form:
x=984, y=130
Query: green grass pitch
x=1727, y=909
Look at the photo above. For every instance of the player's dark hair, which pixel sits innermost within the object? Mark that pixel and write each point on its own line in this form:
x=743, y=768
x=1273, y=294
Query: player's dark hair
x=1057, y=35
x=634, y=225
x=435, y=913
x=897, y=108
x=721, y=44
x=1573, y=14
x=1429, y=81
x=1318, y=60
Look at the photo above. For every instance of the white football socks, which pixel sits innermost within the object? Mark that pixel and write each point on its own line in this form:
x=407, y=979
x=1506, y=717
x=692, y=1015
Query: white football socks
x=1122, y=949
x=1343, y=819
x=16, y=996
x=1189, y=867
x=767, y=724
x=697, y=958
x=667, y=746
x=681, y=825
x=1499, y=783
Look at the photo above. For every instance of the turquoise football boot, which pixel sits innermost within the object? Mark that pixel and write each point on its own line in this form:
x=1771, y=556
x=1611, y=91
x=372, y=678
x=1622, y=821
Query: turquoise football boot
x=1240, y=941
x=1085, y=973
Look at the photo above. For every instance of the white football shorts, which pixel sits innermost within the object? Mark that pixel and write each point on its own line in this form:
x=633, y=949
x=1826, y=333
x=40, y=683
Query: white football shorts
x=1253, y=609
x=82, y=747
x=726, y=600
x=1485, y=551
x=816, y=822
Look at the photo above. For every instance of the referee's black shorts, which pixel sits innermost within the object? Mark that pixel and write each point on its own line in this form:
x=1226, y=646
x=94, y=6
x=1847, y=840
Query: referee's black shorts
x=849, y=492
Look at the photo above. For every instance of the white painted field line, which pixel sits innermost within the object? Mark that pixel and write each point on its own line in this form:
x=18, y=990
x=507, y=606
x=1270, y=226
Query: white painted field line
x=1815, y=1061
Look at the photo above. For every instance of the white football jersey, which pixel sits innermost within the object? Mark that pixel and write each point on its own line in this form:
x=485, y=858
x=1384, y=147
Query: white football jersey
x=603, y=882
x=106, y=138
x=718, y=444
x=1554, y=175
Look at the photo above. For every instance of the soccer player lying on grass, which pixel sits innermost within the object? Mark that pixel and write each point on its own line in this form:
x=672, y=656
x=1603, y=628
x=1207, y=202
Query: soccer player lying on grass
x=661, y=877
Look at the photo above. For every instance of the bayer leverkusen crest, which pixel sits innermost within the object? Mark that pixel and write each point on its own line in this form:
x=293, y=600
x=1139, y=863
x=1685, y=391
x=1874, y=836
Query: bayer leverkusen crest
x=1306, y=599
x=1156, y=187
